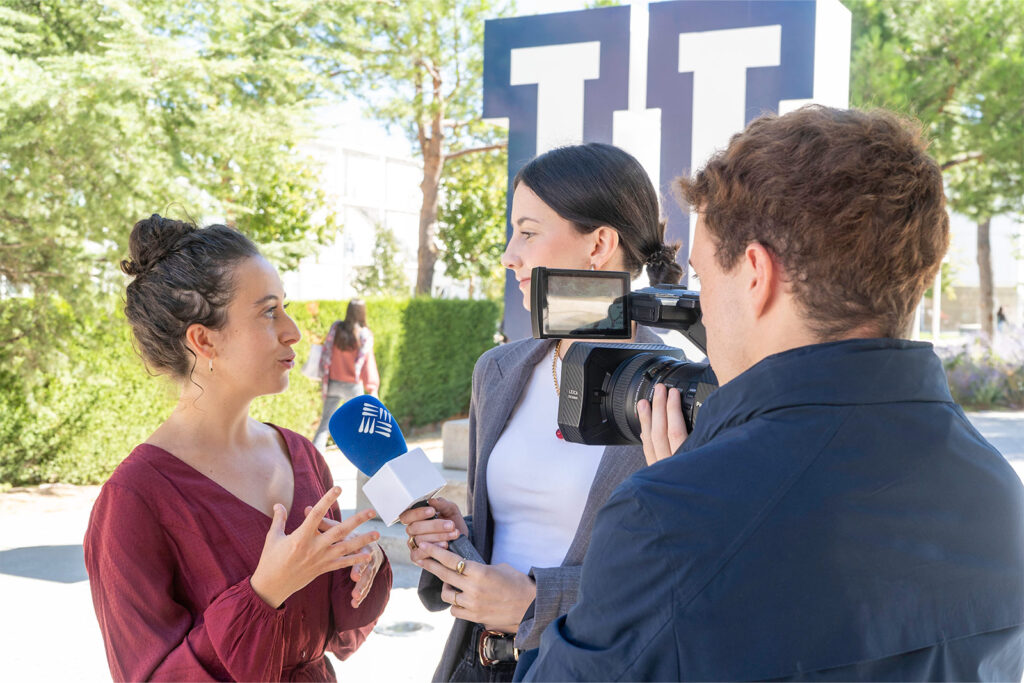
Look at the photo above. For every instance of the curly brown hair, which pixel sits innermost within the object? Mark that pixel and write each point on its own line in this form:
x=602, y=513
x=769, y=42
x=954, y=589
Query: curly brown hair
x=182, y=275
x=848, y=202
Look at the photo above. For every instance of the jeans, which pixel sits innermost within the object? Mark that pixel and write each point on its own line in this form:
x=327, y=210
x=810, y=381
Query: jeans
x=337, y=393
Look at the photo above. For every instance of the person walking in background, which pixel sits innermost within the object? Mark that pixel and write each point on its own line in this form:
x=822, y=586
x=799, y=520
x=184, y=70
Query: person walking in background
x=216, y=550
x=1000, y=319
x=348, y=367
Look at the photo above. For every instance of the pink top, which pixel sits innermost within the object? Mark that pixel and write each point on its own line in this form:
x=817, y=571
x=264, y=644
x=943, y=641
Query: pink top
x=169, y=554
x=355, y=365
x=343, y=368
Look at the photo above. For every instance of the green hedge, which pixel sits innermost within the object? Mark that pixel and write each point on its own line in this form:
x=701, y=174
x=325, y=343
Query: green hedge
x=81, y=418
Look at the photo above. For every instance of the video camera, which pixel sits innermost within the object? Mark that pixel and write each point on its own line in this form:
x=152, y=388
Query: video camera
x=602, y=383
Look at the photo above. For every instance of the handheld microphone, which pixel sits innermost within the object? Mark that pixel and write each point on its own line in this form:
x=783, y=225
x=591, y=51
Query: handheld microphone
x=368, y=436
x=400, y=479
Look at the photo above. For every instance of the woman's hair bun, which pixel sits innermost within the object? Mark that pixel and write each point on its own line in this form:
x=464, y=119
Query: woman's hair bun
x=665, y=254
x=151, y=240
x=661, y=265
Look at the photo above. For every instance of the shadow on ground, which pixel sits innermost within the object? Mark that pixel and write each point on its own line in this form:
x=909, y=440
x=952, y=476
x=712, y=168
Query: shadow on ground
x=58, y=563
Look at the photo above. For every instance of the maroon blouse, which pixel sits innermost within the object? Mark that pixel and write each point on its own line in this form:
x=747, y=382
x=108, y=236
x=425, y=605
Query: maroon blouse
x=169, y=554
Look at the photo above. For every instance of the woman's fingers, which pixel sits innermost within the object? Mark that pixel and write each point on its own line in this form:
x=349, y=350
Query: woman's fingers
x=445, y=508
x=340, y=530
x=417, y=515
x=319, y=510
x=277, y=522
x=432, y=531
x=353, y=543
x=325, y=524
x=343, y=561
x=461, y=603
x=443, y=563
x=437, y=538
x=363, y=576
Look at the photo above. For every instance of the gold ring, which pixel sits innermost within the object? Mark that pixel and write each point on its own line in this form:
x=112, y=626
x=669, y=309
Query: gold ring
x=412, y=543
x=455, y=599
x=460, y=568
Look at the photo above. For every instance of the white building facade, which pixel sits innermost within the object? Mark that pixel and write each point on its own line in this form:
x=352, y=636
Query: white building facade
x=370, y=179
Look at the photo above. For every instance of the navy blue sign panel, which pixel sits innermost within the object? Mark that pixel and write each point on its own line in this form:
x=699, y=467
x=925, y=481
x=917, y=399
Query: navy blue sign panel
x=672, y=91
x=711, y=67
x=609, y=27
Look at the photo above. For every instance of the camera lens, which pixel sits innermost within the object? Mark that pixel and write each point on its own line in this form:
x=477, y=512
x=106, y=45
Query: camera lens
x=635, y=379
x=602, y=383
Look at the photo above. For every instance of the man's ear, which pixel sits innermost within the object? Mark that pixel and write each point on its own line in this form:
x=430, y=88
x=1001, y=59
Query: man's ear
x=764, y=277
x=605, y=240
x=200, y=339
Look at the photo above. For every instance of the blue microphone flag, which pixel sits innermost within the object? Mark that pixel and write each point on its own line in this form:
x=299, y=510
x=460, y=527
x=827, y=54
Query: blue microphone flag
x=367, y=433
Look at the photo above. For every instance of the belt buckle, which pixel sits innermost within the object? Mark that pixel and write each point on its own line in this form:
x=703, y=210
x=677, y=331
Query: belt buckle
x=481, y=643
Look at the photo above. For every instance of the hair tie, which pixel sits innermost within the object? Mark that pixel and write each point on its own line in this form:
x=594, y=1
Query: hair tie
x=665, y=253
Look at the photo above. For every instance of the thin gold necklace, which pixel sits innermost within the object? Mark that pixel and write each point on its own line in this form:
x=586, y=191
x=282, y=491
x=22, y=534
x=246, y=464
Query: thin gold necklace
x=554, y=376
x=554, y=366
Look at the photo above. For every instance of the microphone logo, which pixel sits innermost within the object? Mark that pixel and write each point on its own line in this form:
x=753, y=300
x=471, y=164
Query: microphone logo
x=375, y=420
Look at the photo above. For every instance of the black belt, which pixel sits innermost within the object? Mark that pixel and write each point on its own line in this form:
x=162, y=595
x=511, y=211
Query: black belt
x=495, y=647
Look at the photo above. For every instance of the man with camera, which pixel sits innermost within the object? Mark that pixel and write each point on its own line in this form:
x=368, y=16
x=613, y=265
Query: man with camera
x=833, y=515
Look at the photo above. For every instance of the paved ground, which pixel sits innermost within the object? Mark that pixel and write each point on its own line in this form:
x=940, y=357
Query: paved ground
x=48, y=629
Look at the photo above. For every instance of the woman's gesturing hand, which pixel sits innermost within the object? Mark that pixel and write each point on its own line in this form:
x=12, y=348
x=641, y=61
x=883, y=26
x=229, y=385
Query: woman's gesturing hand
x=496, y=596
x=290, y=561
x=362, y=574
x=662, y=428
x=423, y=528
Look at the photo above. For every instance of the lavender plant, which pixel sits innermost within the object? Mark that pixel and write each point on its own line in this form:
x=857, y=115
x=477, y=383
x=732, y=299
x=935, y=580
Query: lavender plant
x=984, y=374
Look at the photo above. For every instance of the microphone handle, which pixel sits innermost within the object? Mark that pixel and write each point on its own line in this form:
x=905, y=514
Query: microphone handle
x=461, y=545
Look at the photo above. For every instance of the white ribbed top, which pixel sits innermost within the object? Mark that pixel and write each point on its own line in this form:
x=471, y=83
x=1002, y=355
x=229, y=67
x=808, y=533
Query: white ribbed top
x=537, y=484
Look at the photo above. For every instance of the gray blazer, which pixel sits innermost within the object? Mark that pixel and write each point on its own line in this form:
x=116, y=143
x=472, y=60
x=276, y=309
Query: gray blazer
x=499, y=378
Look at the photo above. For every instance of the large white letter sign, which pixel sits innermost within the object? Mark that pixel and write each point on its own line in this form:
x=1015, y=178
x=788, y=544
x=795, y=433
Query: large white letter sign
x=559, y=72
x=669, y=81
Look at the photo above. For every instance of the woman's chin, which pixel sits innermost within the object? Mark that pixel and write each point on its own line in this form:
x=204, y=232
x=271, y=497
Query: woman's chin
x=279, y=387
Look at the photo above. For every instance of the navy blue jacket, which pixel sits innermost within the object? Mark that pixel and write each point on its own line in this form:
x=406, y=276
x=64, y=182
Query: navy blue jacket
x=833, y=516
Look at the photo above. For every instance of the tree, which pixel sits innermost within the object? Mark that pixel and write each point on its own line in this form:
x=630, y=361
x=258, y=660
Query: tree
x=423, y=73
x=472, y=220
x=958, y=66
x=385, y=276
x=112, y=110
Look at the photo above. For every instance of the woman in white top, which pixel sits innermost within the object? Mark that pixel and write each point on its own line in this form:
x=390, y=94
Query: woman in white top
x=533, y=495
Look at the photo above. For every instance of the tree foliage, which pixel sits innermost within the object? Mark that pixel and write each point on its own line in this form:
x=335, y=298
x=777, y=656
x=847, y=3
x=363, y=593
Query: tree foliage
x=385, y=276
x=423, y=73
x=112, y=110
x=472, y=220
x=958, y=66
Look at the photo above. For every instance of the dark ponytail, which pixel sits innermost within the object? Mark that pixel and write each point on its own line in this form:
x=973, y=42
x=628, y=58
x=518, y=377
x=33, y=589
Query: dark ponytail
x=597, y=184
x=662, y=267
x=347, y=336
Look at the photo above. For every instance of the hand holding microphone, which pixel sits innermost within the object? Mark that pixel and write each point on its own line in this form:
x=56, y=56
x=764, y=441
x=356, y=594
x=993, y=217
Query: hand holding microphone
x=439, y=522
x=400, y=480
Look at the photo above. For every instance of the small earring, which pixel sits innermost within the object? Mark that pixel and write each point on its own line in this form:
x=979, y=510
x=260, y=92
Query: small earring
x=211, y=365
x=593, y=267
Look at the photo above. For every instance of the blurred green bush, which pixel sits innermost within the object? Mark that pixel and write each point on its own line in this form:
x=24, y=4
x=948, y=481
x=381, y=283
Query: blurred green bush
x=78, y=420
